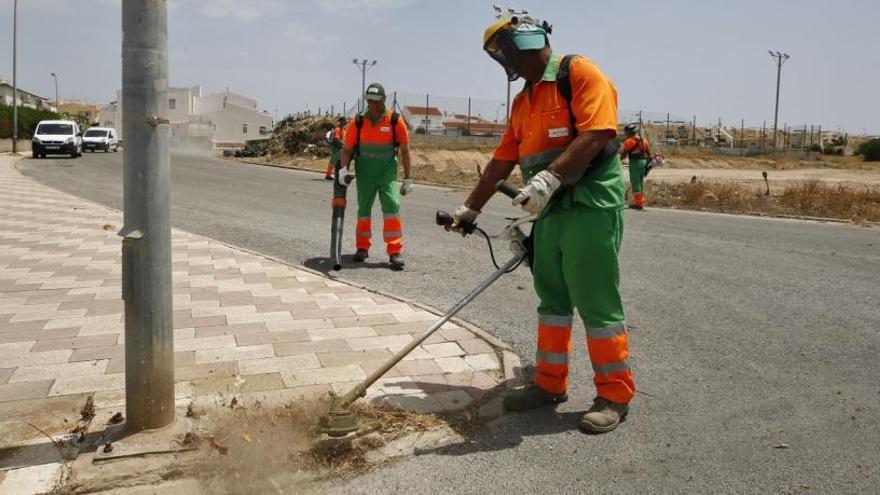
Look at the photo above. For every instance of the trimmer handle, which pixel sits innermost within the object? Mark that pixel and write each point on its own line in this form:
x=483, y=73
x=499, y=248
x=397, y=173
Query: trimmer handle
x=445, y=220
x=506, y=189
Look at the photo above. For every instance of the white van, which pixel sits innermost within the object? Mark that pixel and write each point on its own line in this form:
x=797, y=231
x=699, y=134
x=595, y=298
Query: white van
x=57, y=137
x=101, y=138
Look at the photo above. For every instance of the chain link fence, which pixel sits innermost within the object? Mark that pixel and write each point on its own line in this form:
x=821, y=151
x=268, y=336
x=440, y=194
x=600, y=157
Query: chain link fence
x=437, y=116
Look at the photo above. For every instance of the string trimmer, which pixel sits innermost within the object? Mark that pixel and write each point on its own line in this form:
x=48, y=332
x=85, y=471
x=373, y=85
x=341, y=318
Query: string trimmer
x=341, y=421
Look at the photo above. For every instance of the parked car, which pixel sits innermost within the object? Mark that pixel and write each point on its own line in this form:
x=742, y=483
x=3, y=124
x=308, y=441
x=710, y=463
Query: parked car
x=57, y=137
x=101, y=138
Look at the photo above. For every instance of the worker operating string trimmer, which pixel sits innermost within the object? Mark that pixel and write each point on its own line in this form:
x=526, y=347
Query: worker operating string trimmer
x=562, y=131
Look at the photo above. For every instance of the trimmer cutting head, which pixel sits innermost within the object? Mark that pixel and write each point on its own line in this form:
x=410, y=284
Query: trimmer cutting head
x=339, y=422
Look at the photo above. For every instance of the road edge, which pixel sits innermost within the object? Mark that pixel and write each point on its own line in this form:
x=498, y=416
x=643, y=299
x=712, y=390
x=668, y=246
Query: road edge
x=781, y=216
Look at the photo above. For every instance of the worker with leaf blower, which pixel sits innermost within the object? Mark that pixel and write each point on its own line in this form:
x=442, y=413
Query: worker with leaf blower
x=638, y=150
x=374, y=141
x=562, y=133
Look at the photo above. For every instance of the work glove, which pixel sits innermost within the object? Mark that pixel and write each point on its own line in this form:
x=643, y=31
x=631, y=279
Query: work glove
x=345, y=177
x=406, y=187
x=463, y=214
x=535, y=196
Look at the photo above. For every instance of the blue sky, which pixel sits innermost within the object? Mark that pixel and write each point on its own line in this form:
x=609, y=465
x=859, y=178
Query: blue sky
x=706, y=58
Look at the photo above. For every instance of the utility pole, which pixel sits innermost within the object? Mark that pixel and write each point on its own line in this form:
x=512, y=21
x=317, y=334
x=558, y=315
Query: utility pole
x=146, y=233
x=469, y=117
x=363, y=67
x=427, y=117
x=507, y=105
x=55, y=76
x=14, y=76
x=780, y=59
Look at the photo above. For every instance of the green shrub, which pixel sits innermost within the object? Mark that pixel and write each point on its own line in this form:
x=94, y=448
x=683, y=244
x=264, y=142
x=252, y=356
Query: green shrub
x=28, y=118
x=870, y=150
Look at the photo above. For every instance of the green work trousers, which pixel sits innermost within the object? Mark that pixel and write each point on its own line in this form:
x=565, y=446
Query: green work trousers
x=575, y=267
x=576, y=263
x=637, y=168
x=387, y=190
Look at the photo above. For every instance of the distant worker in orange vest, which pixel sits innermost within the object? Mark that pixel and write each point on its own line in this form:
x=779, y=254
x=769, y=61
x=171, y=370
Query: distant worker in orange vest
x=374, y=141
x=334, y=139
x=638, y=149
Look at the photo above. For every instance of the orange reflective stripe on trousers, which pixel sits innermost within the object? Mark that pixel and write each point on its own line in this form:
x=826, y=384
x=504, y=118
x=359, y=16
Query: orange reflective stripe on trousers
x=392, y=231
x=608, y=349
x=362, y=233
x=554, y=346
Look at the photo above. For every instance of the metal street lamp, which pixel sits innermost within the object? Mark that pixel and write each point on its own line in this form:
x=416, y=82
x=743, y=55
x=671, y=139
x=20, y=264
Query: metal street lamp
x=363, y=66
x=54, y=75
x=14, y=76
x=780, y=59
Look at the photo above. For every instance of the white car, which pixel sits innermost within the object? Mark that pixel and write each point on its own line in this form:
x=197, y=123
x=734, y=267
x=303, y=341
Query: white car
x=101, y=138
x=57, y=137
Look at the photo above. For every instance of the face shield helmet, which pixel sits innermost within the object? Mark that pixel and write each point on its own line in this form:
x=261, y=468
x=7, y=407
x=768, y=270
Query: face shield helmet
x=507, y=38
x=499, y=46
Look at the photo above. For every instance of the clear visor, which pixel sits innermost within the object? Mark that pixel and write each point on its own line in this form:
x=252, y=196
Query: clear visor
x=496, y=48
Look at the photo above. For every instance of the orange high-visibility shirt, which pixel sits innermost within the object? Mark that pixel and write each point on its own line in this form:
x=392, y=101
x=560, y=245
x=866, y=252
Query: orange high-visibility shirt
x=632, y=148
x=539, y=119
x=378, y=134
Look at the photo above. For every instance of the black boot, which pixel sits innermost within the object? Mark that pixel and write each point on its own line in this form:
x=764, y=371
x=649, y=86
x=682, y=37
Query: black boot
x=531, y=397
x=360, y=255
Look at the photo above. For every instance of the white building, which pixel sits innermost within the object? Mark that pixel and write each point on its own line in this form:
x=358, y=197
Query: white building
x=25, y=99
x=225, y=119
x=428, y=119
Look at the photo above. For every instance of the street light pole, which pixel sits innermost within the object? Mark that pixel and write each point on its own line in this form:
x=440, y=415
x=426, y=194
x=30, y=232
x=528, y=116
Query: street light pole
x=780, y=59
x=507, y=106
x=55, y=76
x=146, y=231
x=15, y=76
x=363, y=67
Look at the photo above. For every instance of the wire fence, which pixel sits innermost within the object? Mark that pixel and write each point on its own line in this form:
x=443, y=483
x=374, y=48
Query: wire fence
x=670, y=131
x=456, y=116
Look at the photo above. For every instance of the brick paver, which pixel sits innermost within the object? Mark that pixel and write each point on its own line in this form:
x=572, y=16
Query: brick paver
x=239, y=319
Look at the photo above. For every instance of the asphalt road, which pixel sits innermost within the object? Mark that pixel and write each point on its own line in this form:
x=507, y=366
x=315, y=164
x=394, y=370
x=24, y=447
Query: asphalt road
x=755, y=342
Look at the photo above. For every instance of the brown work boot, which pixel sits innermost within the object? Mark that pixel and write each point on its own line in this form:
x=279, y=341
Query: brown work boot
x=531, y=397
x=603, y=416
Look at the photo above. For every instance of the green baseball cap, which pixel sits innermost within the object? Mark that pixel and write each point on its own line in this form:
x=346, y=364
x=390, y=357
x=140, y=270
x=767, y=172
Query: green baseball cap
x=375, y=92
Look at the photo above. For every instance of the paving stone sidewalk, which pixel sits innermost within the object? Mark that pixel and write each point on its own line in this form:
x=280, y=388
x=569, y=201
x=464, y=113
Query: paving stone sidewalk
x=241, y=321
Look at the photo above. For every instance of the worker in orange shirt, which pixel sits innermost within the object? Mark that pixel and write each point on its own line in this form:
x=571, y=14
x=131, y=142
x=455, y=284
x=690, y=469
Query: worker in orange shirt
x=334, y=139
x=638, y=150
x=562, y=133
x=374, y=142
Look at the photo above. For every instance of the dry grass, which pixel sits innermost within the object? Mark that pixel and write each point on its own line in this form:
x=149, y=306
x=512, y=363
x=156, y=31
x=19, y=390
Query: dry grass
x=459, y=169
x=257, y=450
x=693, y=157
x=806, y=198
